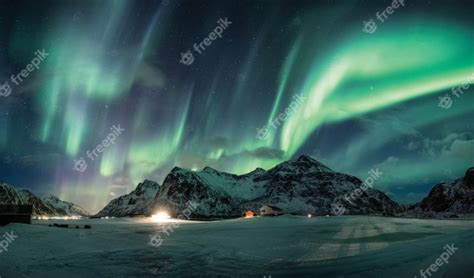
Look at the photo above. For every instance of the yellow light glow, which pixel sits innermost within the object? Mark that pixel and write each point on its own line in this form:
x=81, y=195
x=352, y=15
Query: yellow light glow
x=160, y=216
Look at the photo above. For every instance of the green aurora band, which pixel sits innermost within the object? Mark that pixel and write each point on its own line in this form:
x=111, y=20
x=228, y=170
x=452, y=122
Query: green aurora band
x=357, y=75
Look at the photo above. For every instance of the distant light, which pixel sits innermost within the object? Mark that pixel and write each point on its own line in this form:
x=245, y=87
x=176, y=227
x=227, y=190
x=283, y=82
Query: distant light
x=160, y=216
x=309, y=215
x=72, y=217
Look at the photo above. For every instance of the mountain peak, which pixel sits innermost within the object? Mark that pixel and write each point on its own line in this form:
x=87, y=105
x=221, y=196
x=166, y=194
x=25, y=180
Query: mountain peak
x=258, y=170
x=305, y=157
x=176, y=169
x=209, y=169
x=469, y=177
x=50, y=197
x=309, y=162
x=146, y=184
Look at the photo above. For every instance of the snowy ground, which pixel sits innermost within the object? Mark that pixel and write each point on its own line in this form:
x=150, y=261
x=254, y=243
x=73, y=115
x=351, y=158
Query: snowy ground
x=286, y=246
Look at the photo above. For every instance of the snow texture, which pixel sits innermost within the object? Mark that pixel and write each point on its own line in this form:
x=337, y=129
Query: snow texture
x=300, y=186
x=48, y=206
x=286, y=246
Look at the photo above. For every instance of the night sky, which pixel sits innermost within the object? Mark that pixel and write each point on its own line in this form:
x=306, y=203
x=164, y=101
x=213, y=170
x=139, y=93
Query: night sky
x=352, y=99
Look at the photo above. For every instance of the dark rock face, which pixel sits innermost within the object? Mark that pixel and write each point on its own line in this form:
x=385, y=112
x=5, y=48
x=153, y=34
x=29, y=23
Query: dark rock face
x=301, y=186
x=437, y=201
x=469, y=177
x=450, y=197
x=66, y=208
x=10, y=195
x=182, y=186
x=136, y=202
x=48, y=206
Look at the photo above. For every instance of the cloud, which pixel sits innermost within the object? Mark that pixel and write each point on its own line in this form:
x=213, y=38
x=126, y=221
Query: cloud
x=121, y=181
x=37, y=160
x=150, y=77
x=218, y=142
x=438, y=159
x=189, y=160
x=459, y=149
x=390, y=161
x=452, y=144
x=267, y=153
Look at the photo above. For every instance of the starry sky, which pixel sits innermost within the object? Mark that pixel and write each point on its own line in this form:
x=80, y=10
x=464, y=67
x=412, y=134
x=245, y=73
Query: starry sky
x=284, y=78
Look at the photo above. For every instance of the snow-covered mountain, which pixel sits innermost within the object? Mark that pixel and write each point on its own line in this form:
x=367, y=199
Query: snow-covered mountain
x=300, y=186
x=67, y=208
x=136, y=202
x=10, y=195
x=449, y=198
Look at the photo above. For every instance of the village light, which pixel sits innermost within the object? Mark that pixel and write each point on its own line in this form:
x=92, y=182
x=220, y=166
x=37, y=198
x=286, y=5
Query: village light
x=160, y=216
x=309, y=215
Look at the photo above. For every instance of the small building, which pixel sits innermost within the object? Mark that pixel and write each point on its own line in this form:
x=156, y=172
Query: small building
x=249, y=214
x=15, y=214
x=268, y=210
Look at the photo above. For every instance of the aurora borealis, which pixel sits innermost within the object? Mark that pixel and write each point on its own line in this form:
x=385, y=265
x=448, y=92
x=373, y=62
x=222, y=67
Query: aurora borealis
x=371, y=100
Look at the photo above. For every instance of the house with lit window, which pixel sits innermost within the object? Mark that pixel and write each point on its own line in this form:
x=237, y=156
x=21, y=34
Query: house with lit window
x=268, y=210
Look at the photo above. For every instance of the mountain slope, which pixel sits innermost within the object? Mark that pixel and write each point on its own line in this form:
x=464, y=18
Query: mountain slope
x=300, y=186
x=456, y=197
x=68, y=208
x=10, y=195
x=136, y=202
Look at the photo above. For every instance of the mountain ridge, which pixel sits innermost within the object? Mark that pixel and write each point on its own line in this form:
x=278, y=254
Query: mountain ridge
x=134, y=203
x=49, y=205
x=447, y=199
x=300, y=186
